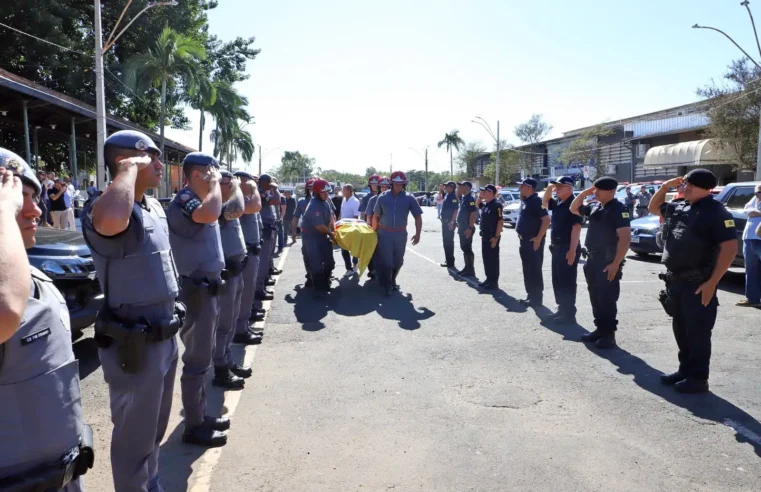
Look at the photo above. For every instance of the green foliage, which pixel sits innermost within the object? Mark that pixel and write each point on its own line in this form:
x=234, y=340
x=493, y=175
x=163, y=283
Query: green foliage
x=583, y=150
x=295, y=167
x=509, y=167
x=466, y=159
x=370, y=171
x=333, y=176
x=529, y=133
x=735, y=114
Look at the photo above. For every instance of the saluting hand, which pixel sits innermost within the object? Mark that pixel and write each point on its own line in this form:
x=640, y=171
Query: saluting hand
x=141, y=162
x=11, y=191
x=707, y=290
x=612, y=270
x=673, y=183
x=589, y=191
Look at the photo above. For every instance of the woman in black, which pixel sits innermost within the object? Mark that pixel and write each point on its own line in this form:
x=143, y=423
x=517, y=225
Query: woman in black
x=58, y=204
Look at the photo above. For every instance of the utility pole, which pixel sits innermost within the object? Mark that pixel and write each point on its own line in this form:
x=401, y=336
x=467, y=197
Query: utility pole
x=426, y=169
x=100, y=104
x=496, y=167
x=485, y=125
x=391, y=163
x=260, y=160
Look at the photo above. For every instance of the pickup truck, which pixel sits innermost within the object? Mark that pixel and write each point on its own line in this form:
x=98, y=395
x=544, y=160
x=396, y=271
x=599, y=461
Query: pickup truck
x=65, y=258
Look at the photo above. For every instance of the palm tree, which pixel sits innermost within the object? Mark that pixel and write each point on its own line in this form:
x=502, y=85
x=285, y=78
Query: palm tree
x=173, y=60
x=232, y=141
x=203, y=100
x=452, y=141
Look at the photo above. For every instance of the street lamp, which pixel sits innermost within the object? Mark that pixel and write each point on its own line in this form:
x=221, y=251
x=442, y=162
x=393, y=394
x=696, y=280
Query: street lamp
x=486, y=127
x=426, y=164
x=100, y=92
x=745, y=4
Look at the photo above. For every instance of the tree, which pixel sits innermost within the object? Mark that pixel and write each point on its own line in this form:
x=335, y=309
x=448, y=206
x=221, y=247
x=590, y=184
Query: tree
x=531, y=133
x=172, y=61
x=735, y=114
x=370, y=171
x=509, y=165
x=583, y=150
x=451, y=141
x=295, y=167
x=466, y=159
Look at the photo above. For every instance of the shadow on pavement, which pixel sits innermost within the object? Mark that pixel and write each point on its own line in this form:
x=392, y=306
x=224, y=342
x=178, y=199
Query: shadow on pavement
x=308, y=311
x=707, y=406
x=399, y=307
x=177, y=459
x=86, y=351
x=501, y=297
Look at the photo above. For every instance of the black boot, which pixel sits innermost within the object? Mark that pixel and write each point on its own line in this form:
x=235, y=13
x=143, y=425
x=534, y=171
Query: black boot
x=606, y=341
x=672, y=379
x=309, y=282
x=394, y=285
x=275, y=271
x=202, y=435
x=592, y=337
x=469, y=270
x=270, y=282
x=691, y=385
x=241, y=371
x=256, y=316
x=220, y=424
x=224, y=378
x=263, y=296
x=247, y=338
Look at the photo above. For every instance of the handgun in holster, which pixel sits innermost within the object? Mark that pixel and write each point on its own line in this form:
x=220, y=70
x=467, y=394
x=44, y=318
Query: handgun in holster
x=130, y=339
x=664, y=297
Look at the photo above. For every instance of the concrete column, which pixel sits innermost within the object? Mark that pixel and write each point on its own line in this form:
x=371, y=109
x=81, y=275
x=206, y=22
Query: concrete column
x=36, y=144
x=26, y=131
x=73, y=147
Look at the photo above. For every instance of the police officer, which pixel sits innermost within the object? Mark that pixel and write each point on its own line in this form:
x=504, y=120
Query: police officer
x=249, y=222
x=236, y=258
x=448, y=222
x=564, y=247
x=390, y=221
x=372, y=183
x=298, y=215
x=643, y=202
x=278, y=208
x=491, y=230
x=466, y=226
x=533, y=222
x=607, y=242
x=197, y=247
x=41, y=410
x=135, y=331
x=629, y=200
x=270, y=199
x=700, y=245
x=318, y=236
x=384, y=183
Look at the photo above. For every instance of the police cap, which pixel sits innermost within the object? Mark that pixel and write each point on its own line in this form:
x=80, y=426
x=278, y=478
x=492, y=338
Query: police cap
x=702, y=178
x=133, y=140
x=490, y=187
x=244, y=174
x=451, y=183
x=563, y=180
x=466, y=183
x=18, y=166
x=529, y=182
x=265, y=178
x=606, y=183
x=225, y=174
x=200, y=159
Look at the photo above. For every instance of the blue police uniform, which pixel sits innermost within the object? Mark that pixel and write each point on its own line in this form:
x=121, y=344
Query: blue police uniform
x=365, y=202
x=301, y=207
x=252, y=236
x=41, y=410
x=369, y=213
x=693, y=234
x=268, y=215
x=393, y=211
x=601, y=243
x=318, y=246
x=527, y=227
x=198, y=251
x=448, y=221
x=467, y=208
x=491, y=214
x=138, y=276
x=564, y=275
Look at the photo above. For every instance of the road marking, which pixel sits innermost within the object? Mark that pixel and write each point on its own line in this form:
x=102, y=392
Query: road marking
x=744, y=431
x=210, y=459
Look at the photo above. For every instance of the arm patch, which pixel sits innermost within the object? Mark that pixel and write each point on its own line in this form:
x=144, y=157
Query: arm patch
x=729, y=223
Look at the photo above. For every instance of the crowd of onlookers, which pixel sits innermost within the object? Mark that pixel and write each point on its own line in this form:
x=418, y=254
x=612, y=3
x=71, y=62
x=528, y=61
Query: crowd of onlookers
x=57, y=201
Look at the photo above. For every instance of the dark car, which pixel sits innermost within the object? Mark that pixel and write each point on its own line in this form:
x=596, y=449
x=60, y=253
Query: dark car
x=65, y=258
x=734, y=196
x=645, y=232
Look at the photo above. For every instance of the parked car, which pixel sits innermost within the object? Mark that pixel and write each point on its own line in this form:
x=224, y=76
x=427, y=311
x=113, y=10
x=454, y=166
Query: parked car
x=65, y=258
x=511, y=211
x=644, y=239
x=507, y=196
x=734, y=196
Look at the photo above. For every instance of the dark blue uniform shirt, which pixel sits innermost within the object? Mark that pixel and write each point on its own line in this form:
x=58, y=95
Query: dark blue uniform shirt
x=491, y=214
x=604, y=222
x=562, y=221
x=693, y=233
x=449, y=206
x=530, y=217
x=467, y=207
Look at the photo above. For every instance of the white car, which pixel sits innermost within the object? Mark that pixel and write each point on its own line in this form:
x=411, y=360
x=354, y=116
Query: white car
x=511, y=210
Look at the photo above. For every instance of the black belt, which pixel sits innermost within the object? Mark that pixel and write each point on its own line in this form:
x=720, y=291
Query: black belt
x=216, y=287
x=119, y=331
x=685, y=276
x=269, y=227
x=70, y=466
x=234, y=267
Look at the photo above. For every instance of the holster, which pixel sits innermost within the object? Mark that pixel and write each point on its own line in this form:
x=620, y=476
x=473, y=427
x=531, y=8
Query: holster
x=234, y=268
x=667, y=302
x=54, y=476
x=254, y=249
x=131, y=337
x=196, y=286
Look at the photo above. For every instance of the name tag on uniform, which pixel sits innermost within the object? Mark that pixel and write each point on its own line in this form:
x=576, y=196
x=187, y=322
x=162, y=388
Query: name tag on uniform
x=35, y=336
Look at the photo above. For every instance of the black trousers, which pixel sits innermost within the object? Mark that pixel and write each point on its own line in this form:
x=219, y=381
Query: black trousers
x=532, y=268
x=564, y=279
x=448, y=237
x=466, y=243
x=348, y=261
x=603, y=293
x=491, y=259
x=693, y=325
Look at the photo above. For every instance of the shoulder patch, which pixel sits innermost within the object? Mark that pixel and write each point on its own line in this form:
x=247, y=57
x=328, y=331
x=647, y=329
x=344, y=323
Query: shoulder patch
x=184, y=197
x=625, y=215
x=729, y=223
x=472, y=204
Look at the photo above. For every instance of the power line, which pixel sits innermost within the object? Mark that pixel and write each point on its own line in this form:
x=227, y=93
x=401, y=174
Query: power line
x=125, y=85
x=42, y=40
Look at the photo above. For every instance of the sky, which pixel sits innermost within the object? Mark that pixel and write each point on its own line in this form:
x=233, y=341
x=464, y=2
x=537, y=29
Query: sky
x=355, y=83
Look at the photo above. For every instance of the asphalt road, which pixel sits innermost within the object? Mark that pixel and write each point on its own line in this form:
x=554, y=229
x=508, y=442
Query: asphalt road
x=447, y=388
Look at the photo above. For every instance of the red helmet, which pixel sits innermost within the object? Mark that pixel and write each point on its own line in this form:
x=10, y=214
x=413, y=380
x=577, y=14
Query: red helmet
x=320, y=185
x=373, y=180
x=384, y=181
x=398, y=177
x=309, y=184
